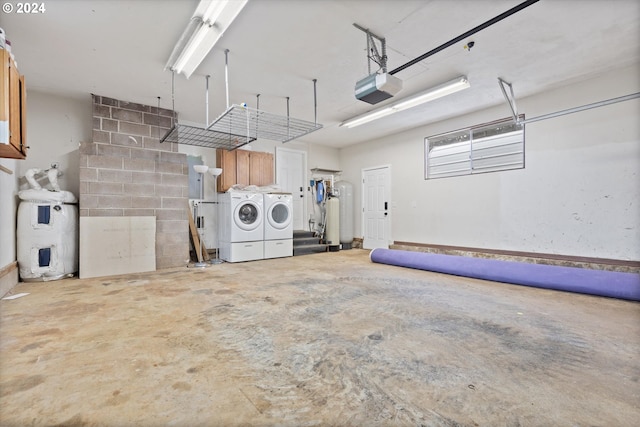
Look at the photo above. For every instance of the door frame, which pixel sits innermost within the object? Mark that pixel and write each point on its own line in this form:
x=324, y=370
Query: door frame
x=363, y=222
x=305, y=178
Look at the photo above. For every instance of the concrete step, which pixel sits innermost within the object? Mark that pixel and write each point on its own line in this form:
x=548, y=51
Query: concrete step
x=306, y=242
x=302, y=233
x=309, y=249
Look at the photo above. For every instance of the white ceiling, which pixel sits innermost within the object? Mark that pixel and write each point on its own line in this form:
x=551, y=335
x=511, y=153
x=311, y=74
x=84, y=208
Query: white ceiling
x=118, y=48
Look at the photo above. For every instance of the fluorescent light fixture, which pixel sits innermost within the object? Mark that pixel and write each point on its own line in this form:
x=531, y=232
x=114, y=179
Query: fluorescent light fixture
x=209, y=22
x=436, y=92
x=198, y=47
x=369, y=117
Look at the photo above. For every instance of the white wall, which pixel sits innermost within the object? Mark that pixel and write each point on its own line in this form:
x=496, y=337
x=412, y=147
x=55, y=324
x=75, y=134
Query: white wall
x=8, y=210
x=55, y=127
x=578, y=194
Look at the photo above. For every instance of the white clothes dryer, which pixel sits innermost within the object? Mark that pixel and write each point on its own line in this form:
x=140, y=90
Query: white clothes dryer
x=241, y=223
x=278, y=225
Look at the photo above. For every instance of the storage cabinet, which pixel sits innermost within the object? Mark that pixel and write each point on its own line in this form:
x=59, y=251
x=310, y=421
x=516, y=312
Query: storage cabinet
x=13, y=108
x=244, y=167
x=227, y=161
x=261, y=168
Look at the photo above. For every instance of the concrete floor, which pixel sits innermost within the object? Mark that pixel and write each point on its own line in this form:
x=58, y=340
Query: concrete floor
x=327, y=339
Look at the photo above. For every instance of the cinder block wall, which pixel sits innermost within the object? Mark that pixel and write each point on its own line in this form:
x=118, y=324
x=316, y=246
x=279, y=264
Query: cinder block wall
x=126, y=171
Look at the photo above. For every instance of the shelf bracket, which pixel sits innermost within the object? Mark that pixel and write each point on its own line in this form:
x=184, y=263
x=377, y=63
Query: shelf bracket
x=510, y=98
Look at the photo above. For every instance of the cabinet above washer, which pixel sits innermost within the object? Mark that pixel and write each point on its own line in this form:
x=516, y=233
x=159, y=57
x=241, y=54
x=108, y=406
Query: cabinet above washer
x=244, y=167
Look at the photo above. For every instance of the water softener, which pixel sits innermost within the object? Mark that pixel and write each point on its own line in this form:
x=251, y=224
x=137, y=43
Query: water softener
x=332, y=235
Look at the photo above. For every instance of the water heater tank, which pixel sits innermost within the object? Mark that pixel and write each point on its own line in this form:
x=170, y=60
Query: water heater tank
x=332, y=234
x=47, y=235
x=344, y=189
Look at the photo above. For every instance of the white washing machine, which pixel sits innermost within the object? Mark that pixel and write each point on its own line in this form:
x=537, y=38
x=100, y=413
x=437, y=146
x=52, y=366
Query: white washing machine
x=278, y=225
x=241, y=222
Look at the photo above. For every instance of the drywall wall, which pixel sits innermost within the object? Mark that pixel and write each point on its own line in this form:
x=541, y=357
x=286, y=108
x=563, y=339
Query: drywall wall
x=55, y=128
x=127, y=245
x=8, y=209
x=578, y=194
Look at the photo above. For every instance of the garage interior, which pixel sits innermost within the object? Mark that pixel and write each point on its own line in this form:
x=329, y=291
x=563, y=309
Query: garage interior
x=397, y=296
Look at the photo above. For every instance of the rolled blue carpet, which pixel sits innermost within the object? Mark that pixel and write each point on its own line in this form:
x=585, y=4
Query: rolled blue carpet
x=581, y=280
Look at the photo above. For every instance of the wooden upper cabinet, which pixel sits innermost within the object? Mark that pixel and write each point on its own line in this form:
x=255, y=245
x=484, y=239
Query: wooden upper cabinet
x=227, y=161
x=13, y=110
x=261, y=168
x=243, y=171
x=244, y=167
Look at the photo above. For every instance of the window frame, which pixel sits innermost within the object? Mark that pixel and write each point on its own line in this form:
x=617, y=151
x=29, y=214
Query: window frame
x=466, y=136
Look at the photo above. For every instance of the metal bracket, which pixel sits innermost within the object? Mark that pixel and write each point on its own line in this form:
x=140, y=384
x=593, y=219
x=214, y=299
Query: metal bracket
x=373, y=54
x=510, y=98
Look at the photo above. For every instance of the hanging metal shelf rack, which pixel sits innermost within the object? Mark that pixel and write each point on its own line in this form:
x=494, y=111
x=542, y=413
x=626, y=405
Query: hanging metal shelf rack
x=239, y=125
x=192, y=135
x=256, y=124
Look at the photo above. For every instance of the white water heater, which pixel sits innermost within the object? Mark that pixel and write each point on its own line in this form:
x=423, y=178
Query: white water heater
x=332, y=233
x=344, y=190
x=47, y=235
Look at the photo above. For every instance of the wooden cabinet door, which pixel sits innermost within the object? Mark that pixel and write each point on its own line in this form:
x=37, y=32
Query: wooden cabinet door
x=13, y=110
x=243, y=168
x=4, y=97
x=261, y=168
x=255, y=168
x=227, y=161
x=268, y=170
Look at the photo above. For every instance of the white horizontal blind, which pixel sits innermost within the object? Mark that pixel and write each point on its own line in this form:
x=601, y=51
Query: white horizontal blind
x=486, y=148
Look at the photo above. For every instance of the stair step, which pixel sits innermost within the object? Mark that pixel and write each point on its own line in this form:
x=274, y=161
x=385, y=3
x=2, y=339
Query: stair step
x=309, y=249
x=306, y=242
x=303, y=241
x=302, y=233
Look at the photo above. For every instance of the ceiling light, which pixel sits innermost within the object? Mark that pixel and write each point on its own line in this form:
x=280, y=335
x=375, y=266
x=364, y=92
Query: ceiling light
x=213, y=11
x=436, y=92
x=371, y=116
x=209, y=22
x=198, y=47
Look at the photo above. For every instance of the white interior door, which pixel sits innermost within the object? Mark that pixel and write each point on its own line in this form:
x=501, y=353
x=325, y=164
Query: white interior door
x=290, y=176
x=376, y=212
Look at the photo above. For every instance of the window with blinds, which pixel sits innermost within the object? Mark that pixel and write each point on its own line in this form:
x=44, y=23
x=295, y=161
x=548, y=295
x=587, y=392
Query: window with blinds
x=489, y=147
